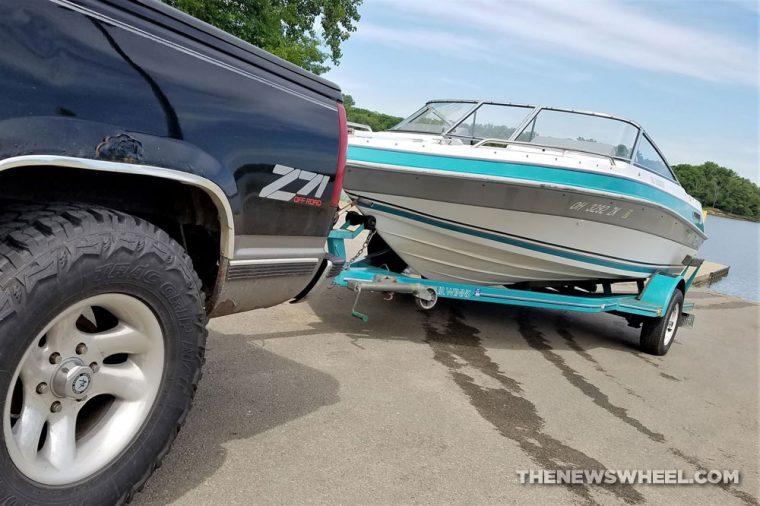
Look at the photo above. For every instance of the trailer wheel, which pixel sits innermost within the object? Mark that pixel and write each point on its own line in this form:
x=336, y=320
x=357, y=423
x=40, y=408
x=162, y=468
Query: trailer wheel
x=102, y=333
x=427, y=304
x=658, y=334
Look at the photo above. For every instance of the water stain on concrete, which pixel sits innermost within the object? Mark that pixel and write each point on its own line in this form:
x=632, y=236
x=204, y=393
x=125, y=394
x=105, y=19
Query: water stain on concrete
x=646, y=358
x=536, y=340
x=562, y=330
x=514, y=416
x=744, y=497
x=669, y=376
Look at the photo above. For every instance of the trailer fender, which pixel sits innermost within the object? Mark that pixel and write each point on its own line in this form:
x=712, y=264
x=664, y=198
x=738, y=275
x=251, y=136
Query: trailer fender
x=659, y=290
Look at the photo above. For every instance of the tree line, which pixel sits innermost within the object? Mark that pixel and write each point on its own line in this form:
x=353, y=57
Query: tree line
x=376, y=120
x=720, y=188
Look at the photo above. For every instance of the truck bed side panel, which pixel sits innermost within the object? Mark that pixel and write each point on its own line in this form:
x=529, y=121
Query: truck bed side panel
x=104, y=81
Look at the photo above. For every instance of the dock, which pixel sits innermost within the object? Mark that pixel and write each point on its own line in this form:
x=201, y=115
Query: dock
x=711, y=272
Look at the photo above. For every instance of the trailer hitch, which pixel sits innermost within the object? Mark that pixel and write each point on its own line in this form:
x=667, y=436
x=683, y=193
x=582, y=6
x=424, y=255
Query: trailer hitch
x=389, y=285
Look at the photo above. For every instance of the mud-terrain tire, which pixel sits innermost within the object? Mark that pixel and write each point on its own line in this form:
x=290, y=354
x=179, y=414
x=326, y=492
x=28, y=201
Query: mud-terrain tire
x=109, y=308
x=658, y=334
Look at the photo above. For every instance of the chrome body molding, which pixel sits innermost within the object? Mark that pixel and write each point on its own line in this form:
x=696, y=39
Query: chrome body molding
x=270, y=261
x=227, y=239
x=270, y=268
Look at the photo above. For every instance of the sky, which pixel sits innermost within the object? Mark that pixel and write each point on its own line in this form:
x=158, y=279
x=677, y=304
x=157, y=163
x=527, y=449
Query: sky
x=686, y=70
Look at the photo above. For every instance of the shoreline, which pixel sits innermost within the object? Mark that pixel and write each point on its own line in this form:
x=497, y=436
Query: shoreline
x=724, y=214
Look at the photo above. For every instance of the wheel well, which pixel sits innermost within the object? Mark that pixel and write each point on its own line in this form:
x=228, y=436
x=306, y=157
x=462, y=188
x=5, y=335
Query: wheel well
x=186, y=213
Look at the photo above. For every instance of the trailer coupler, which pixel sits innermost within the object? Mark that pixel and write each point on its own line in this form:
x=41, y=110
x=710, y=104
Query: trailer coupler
x=389, y=285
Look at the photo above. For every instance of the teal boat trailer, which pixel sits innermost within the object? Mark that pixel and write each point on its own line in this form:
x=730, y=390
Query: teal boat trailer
x=657, y=306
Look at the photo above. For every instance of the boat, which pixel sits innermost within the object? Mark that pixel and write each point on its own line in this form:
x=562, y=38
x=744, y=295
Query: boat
x=495, y=193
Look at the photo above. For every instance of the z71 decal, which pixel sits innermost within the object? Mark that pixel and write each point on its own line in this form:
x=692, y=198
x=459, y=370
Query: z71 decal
x=314, y=182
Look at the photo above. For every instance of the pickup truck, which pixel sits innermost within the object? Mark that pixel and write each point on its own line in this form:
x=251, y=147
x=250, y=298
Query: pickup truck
x=154, y=172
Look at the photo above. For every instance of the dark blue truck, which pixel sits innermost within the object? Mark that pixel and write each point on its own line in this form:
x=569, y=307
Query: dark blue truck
x=154, y=172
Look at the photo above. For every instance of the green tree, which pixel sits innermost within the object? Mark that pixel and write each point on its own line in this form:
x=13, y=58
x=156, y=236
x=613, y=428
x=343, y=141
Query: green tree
x=376, y=120
x=722, y=188
x=305, y=32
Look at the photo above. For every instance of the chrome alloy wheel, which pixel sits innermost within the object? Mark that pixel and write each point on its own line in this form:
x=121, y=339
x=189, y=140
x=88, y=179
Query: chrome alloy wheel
x=83, y=389
x=672, y=325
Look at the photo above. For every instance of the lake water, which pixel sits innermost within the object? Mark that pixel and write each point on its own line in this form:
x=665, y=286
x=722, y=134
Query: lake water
x=735, y=243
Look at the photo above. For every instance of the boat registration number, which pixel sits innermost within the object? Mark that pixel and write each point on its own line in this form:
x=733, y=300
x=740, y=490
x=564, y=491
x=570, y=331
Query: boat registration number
x=601, y=209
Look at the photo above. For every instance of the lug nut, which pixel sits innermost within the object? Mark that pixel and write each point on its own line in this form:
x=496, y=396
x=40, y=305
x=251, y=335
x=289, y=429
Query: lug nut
x=55, y=407
x=55, y=358
x=94, y=366
x=81, y=349
x=42, y=388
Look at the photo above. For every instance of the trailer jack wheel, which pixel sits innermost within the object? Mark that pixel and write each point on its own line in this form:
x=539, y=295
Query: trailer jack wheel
x=428, y=303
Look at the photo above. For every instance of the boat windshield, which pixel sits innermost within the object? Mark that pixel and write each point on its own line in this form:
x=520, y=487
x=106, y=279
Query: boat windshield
x=492, y=121
x=554, y=128
x=580, y=132
x=435, y=117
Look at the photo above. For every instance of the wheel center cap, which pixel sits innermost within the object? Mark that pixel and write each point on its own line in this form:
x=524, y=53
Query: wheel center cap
x=72, y=379
x=81, y=383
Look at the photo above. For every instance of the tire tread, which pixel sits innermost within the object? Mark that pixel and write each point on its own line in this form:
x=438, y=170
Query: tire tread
x=42, y=234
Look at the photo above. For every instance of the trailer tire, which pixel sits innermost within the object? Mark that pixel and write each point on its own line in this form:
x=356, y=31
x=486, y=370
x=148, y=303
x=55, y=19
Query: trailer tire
x=658, y=334
x=73, y=274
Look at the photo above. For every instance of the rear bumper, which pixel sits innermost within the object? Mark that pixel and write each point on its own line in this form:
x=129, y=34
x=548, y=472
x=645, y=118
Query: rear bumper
x=246, y=287
x=330, y=268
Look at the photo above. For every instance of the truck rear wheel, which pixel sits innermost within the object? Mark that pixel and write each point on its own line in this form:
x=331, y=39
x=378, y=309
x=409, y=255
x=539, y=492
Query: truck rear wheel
x=102, y=335
x=658, y=334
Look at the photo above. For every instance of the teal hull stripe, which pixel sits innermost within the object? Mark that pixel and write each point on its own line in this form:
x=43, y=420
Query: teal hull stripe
x=539, y=173
x=513, y=242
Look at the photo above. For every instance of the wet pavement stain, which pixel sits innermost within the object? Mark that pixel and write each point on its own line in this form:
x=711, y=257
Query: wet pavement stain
x=561, y=328
x=646, y=358
x=669, y=376
x=537, y=341
x=514, y=416
x=745, y=497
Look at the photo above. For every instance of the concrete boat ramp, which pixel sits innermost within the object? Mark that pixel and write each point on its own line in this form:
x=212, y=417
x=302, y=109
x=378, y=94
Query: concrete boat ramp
x=303, y=404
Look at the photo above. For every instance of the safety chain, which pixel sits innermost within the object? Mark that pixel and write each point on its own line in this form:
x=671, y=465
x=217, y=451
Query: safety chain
x=361, y=250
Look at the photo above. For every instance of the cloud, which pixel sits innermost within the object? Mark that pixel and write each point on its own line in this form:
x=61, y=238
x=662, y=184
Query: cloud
x=425, y=40
x=466, y=48
x=729, y=152
x=605, y=29
x=459, y=83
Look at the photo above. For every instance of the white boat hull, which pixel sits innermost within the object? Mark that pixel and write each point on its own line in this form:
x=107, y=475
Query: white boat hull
x=496, y=217
x=472, y=255
x=469, y=244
